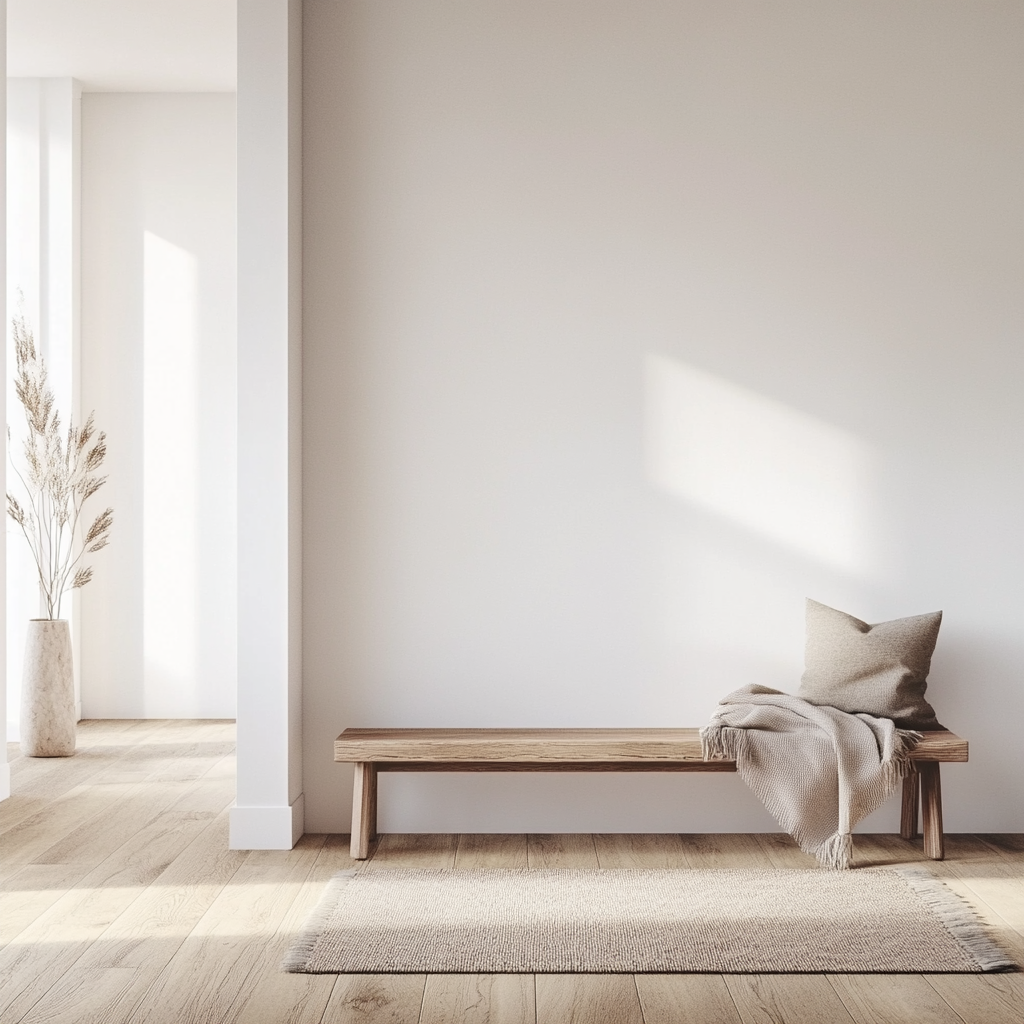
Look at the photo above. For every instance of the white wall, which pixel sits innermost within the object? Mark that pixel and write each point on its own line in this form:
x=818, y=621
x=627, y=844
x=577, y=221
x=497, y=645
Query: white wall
x=546, y=243
x=158, y=367
x=43, y=278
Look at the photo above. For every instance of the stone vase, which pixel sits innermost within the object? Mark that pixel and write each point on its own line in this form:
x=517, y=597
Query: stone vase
x=48, y=690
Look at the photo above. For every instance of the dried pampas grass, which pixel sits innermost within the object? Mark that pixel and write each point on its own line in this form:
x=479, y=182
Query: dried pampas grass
x=60, y=475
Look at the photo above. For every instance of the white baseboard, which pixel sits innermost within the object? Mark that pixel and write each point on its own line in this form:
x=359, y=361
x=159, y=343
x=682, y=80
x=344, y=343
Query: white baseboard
x=5, y=780
x=266, y=828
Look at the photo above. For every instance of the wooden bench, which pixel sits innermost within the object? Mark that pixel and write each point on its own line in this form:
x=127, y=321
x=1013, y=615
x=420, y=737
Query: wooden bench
x=590, y=750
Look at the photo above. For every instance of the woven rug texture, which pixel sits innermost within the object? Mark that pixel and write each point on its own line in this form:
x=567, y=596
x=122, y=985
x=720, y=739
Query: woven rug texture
x=891, y=920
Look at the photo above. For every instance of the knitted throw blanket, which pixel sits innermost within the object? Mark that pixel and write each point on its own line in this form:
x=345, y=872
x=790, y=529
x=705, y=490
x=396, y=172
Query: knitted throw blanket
x=816, y=769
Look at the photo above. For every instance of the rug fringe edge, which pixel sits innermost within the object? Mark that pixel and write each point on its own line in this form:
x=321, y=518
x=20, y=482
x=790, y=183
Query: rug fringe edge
x=959, y=918
x=316, y=921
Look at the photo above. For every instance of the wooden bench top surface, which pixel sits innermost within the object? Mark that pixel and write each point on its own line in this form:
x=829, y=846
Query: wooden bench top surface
x=539, y=746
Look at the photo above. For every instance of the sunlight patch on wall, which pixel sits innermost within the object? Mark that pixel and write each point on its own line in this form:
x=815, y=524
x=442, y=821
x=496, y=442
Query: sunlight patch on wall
x=762, y=465
x=170, y=551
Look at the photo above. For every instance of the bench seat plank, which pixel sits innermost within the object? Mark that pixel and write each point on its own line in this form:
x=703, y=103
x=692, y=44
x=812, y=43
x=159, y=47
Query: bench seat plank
x=540, y=746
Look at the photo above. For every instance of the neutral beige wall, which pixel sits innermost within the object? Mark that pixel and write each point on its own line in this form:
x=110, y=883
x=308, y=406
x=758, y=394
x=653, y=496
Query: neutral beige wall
x=628, y=326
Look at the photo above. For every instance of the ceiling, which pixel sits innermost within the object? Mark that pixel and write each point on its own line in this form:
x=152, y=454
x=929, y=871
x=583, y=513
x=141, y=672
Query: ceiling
x=125, y=45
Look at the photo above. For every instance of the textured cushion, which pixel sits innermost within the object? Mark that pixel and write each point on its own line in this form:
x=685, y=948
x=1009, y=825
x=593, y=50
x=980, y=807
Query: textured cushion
x=881, y=670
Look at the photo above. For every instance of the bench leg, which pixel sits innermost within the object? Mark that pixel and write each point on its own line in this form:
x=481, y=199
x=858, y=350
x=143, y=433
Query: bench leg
x=911, y=790
x=931, y=809
x=364, y=809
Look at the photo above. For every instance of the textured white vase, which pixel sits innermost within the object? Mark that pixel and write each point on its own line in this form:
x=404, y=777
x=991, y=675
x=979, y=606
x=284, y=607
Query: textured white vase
x=48, y=690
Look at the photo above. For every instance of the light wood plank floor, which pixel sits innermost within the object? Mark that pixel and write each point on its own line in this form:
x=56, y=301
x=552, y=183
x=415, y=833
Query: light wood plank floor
x=120, y=902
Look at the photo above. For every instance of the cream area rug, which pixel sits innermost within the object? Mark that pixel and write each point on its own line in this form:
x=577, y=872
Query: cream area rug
x=638, y=921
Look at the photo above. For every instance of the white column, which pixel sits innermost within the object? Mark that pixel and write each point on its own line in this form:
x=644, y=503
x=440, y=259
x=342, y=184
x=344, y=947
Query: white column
x=268, y=808
x=5, y=768
x=44, y=187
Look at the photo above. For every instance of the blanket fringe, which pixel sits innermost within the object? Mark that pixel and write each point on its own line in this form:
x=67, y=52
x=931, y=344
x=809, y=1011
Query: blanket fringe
x=836, y=853
x=722, y=743
x=899, y=764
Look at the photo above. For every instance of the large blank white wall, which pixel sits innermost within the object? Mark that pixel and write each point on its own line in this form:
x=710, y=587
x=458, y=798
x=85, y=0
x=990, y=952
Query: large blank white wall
x=159, y=368
x=628, y=326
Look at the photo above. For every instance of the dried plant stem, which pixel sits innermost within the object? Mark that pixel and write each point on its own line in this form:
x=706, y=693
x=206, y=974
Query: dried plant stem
x=60, y=476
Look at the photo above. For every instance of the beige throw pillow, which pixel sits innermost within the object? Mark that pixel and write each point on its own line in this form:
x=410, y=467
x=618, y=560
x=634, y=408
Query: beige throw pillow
x=881, y=670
